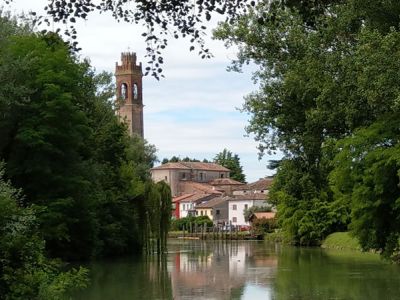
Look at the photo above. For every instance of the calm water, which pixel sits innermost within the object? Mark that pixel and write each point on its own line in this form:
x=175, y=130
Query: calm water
x=245, y=270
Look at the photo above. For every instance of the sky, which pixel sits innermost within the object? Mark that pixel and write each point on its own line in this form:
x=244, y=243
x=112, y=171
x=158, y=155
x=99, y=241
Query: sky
x=193, y=111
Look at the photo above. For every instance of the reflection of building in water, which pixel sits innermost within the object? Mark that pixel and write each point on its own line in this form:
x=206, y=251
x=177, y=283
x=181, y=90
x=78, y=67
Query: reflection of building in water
x=215, y=270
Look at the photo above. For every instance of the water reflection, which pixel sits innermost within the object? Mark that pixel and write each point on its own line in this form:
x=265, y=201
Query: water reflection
x=244, y=270
x=219, y=270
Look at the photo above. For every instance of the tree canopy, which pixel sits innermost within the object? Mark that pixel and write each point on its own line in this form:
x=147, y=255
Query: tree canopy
x=85, y=181
x=178, y=159
x=231, y=161
x=327, y=69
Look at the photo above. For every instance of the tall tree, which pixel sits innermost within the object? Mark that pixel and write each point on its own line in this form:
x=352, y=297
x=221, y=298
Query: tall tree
x=65, y=147
x=320, y=80
x=231, y=161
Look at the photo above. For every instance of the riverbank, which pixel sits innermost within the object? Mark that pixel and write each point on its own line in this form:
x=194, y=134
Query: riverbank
x=216, y=235
x=341, y=241
x=336, y=240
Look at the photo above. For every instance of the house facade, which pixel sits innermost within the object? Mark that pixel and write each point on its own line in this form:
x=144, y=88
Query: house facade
x=180, y=172
x=187, y=206
x=216, y=209
x=176, y=209
x=239, y=203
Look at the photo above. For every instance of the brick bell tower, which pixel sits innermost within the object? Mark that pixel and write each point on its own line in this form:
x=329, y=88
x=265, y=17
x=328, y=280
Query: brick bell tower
x=129, y=102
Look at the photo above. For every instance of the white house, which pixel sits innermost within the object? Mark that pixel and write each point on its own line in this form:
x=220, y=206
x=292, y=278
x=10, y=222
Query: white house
x=238, y=203
x=187, y=206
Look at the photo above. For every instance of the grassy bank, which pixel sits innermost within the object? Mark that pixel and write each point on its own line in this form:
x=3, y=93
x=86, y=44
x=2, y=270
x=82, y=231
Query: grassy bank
x=341, y=240
x=276, y=237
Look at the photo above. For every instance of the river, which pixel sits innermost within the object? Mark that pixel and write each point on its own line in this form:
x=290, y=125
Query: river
x=196, y=269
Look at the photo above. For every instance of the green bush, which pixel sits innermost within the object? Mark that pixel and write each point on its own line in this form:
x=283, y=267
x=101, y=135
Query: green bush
x=263, y=226
x=26, y=272
x=181, y=223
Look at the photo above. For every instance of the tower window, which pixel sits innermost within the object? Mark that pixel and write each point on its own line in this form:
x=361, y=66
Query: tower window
x=135, y=91
x=124, y=91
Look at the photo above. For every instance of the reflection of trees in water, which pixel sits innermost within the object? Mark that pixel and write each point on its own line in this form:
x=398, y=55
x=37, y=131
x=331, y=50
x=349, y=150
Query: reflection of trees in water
x=217, y=269
x=319, y=274
x=224, y=270
x=129, y=279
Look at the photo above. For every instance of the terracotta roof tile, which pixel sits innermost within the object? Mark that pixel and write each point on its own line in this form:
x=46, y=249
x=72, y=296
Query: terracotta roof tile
x=256, y=196
x=266, y=215
x=173, y=165
x=179, y=198
x=262, y=184
x=205, y=166
x=213, y=202
x=225, y=181
x=197, y=197
x=197, y=187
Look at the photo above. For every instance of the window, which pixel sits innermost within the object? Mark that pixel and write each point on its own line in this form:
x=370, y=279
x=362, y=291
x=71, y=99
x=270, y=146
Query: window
x=135, y=91
x=183, y=206
x=234, y=220
x=234, y=207
x=183, y=175
x=217, y=212
x=123, y=91
x=201, y=176
x=201, y=213
x=166, y=177
x=246, y=206
x=221, y=175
